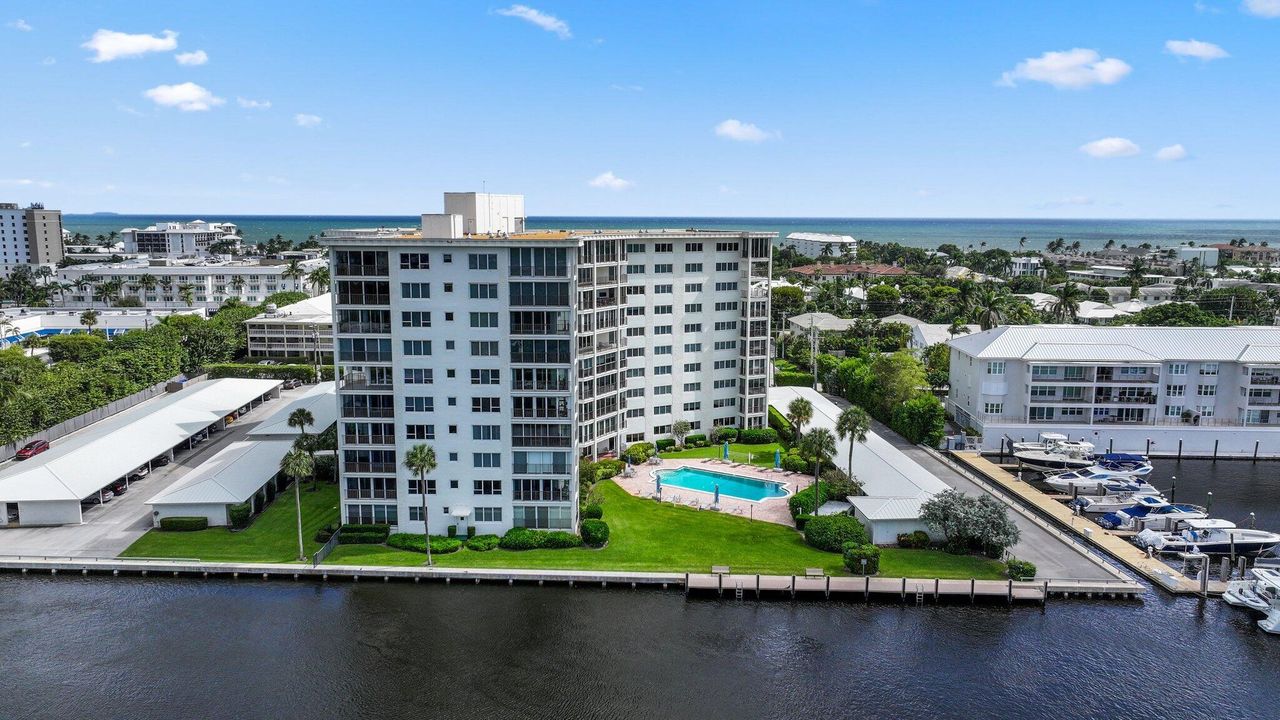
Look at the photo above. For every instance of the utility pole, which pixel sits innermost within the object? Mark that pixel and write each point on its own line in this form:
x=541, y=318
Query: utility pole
x=813, y=351
x=1231, y=313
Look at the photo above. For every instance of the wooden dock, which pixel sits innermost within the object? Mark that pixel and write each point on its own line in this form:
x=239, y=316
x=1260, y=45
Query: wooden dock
x=1113, y=543
x=913, y=590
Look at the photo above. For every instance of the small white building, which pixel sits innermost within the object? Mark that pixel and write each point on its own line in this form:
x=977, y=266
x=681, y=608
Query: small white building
x=178, y=239
x=17, y=324
x=1027, y=265
x=1206, y=255
x=302, y=330
x=210, y=283
x=816, y=245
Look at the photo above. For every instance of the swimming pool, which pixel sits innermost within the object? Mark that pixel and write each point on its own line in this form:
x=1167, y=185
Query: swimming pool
x=730, y=485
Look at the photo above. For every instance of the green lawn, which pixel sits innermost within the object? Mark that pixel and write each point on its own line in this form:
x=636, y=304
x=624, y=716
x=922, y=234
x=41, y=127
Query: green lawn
x=761, y=455
x=273, y=536
x=661, y=537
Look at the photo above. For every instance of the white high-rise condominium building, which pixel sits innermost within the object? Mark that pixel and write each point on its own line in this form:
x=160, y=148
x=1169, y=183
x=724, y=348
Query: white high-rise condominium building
x=513, y=353
x=176, y=239
x=29, y=235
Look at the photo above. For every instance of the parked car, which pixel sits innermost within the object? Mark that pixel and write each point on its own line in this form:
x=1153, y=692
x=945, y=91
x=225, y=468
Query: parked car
x=292, y=383
x=120, y=487
x=138, y=474
x=160, y=461
x=33, y=448
x=107, y=496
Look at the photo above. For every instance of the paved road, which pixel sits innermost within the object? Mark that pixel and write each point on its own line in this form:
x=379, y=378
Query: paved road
x=1052, y=556
x=109, y=529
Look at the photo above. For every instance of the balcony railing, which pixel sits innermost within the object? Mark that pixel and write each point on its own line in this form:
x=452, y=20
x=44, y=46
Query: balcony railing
x=365, y=328
x=541, y=469
x=1264, y=380
x=540, y=329
x=540, y=386
x=1125, y=400
x=1106, y=377
x=369, y=467
x=361, y=381
x=351, y=439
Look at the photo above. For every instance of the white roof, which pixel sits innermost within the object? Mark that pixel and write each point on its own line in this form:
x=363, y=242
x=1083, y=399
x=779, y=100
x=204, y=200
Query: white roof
x=883, y=470
x=1090, y=310
x=1246, y=343
x=321, y=400
x=932, y=334
x=833, y=507
x=900, y=318
x=84, y=462
x=1039, y=300
x=318, y=310
x=821, y=237
x=821, y=321
x=888, y=508
x=231, y=476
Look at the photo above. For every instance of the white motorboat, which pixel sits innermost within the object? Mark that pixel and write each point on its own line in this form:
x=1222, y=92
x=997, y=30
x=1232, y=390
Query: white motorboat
x=1057, y=456
x=1257, y=591
x=1271, y=623
x=1162, y=516
x=1082, y=482
x=1210, y=536
x=1044, y=441
x=1124, y=464
x=1103, y=504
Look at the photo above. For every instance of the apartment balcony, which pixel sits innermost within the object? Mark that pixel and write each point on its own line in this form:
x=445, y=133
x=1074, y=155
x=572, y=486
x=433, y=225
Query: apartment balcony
x=540, y=329
x=1105, y=376
x=542, y=469
x=1058, y=400
x=540, y=442
x=561, y=413
x=540, y=386
x=362, y=381
x=369, y=467
x=1263, y=401
x=1265, y=380
x=353, y=439
x=364, y=328
x=1124, y=400
x=1060, y=380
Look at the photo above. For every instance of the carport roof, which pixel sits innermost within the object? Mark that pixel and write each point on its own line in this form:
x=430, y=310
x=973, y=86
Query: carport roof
x=231, y=476
x=321, y=400
x=86, y=461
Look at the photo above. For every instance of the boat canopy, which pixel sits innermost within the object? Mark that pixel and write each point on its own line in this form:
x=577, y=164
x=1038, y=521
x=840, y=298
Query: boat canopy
x=1209, y=524
x=1123, y=457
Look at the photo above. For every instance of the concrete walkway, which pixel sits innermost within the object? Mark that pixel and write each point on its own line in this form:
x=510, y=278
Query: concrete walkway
x=109, y=529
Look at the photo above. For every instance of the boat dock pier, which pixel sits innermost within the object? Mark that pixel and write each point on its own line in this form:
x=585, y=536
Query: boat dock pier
x=1113, y=543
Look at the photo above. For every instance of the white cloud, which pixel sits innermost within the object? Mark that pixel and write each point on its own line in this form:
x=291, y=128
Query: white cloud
x=253, y=104
x=27, y=182
x=1195, y=48
x=198, y=57
x=743, y=132
x=550, y=23
x=1171, y=153
x=24, y=144
x=111, y=45
x=609, y=181
x=128, y=110
x=49, y=61
x=306, y=120
x=1073, y=69
x=187, y=97
x=1112, y=147
x=21, y=25
x=1203, y=8
x=1262, y=8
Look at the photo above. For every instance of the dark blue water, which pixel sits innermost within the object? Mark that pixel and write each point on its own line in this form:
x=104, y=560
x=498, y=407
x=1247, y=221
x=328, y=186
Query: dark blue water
x=926, y=233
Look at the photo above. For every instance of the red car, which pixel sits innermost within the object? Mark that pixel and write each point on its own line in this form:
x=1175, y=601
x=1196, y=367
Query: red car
x=35, y=447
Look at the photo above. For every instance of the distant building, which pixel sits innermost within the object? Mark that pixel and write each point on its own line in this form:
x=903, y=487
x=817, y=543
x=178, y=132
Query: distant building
x=821, y=244
x=1027, y=265
x=1207, y=256
x=211, y=283
x=1260, y=254
x=832, y=271
x=820, y=321
x=300, y=330
x=29, y=236
x=23, y=322
x=177, y=239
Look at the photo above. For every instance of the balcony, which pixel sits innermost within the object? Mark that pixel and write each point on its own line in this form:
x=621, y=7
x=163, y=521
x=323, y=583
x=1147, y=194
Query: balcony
x=1105, y=399
x=369, y=467
x=540, y=329
x=354, y=439
x=1260, y=379
x=536, y=441
x=364, y=328
x=541, y=469
x=1106, y=375
x=362, y=381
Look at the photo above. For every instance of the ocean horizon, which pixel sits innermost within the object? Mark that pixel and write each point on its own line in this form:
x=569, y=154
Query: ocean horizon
x=915, y=232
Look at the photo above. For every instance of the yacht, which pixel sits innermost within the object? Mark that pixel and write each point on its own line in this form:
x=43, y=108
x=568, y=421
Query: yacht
x=1210, y=536
x=1115, y=502
x=1097, y=483
x=1056, y=456
x=1044, y=441
x=1257, y=591
x=1124, y=464
x=1162, y=516
x=1271, y=623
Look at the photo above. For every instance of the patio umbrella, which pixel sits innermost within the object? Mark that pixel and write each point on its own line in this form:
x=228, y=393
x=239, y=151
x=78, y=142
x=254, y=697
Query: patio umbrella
x=777, y=459
x=726, y=449
x=658, y=479
x=717, y=500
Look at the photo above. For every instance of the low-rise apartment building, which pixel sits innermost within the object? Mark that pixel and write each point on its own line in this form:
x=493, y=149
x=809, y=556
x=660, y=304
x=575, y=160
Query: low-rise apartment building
x=303, y=331
x=171, y=283
x=513, y=353
x=29, y=235
x=1155, y=390
x=177, y=239
x=848, y=271
x=823, y=245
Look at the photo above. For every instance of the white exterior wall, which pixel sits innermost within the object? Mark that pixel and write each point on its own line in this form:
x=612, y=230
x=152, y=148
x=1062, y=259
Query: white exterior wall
x=49, y=512
x=215, y=513
x=211, y=282
x=814, y=248
x=1208, y=256
x=484, y=213
x=886, y=532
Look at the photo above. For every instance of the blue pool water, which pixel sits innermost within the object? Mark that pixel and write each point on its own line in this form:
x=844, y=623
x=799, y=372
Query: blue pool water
x=730, y=485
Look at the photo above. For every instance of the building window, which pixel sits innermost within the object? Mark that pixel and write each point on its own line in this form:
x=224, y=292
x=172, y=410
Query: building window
x=662, y=268
x=486, y=404
x=415, y=290
x=485, y=377
x=419, y=432
x=486, y=487
x=418, y=376
x=484, y=319
x=993, y=408
x=693, y=267
x=486, y=460
x=362, y=514
x=995, y=367
x=1175, y=390
x=487, y=514
x=484, y=348
x=415, y=261
x=1177, y=368
x=482, y=261
x=419, y=404
x=417, y=347
x=1206, y=390
x=1173, y=410
x=484, y=291
x=1209, y=368
x=1041, y=413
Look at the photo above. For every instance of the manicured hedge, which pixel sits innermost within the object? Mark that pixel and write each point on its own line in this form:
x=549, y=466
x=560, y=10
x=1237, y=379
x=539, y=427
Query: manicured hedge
x=305, y=373
x=526, y=539
x=415, y=543
x=184, y=523
x=238, y=515
x=724, y=434
x=364, y=534
x=802, y=379
x=665, y=444
x=758, y=436
x=639, y=452
x=917, y=539
x=832, y=532
x=801, y=520
x=1020, y=569
x=795, y=463
x=608, y=468
x=595, y=533
x=324, y=534
x=854, y=553
x=593, y=512
x=483, y=543
x=803, y=501
x=780, y=425
x=696, y=439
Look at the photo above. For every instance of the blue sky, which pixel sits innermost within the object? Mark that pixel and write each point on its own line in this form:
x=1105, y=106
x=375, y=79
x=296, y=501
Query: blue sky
x=846, y=109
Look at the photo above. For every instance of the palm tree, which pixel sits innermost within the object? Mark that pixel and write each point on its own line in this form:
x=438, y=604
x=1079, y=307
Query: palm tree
x=293, y=271
x=1022, y=242
x=1065, y=307
x=297, y=465
x=7, y=328
x=821, y=445
x=89, y=318
x=966, y=293
x=989, y=306
x=148, y=283
x=302, y=419
x=420, y=460
x=957, y=328
x=187, y=292
x=319, y=278
x=237, y=284
x=852, y=425
x=1137, y=268
x=799, y=412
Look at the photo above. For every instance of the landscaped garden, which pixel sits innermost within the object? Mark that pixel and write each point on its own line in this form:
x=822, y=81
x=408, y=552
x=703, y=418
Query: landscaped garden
x=759, y=455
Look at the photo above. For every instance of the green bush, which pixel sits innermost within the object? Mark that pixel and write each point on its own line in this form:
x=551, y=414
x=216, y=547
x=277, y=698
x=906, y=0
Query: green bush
x=795, y=463
x=1020, y=569
x=305, y=373
x=595, y=533
x=802, y=520
x=482, y=543
x=184, y=523
x=665, y=444
x=802, y=379
x=364, y=534
x=724, y=434
x=606, y=469
x=637, y=453
x=324, y=534
x=854, y=553
x=803, y=502
x=453, y=531
x=913, y=540
x=779, y=424
x=593, y=512
x=414, y=542
x=758, y=436
x=471, y=531
x=695, y=439
x=831, y=532
x=238, y=515
x=526, y=539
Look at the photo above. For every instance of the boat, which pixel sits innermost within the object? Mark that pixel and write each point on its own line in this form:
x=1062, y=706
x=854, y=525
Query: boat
x=1081, y=482
x=1271, y=623
x=1210, y=536
x=1115, y=502
x=1257, y=591
x=1162, y=516
x=1057, y=456
x=1124, y=464
x=1044, y=441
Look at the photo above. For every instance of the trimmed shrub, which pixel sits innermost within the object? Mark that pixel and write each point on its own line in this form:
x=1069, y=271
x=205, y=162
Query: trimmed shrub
x=606, y=469
x=832, y=532
x=1020, y=569
x=324, y=534
x=665, y=444
x=780, y=425
x=758, y=436
x=471, y=531
x=482, y=543
x=364, y=534
x=595, y=533
x=415, y=543
x=724, y=434
x=184, y=523
x=695, y=438
x=453, y=531
x=526, y=539
x=913, y=540
x=593, y=512
x=305, y=373
x=855, y=553
x=795, y=463
x=801, y=520
x=803, y=502
x=637, y=453
x=802, y=379
x=238, y=515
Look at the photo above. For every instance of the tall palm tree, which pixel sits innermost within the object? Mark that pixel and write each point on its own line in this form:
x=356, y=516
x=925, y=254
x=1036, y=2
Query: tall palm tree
x=302, y=419
x=7, y=328
x=1137, y=268
x=236, y=284
x=187, y=292
x=148, y=283
x=820, y=444
x=420, y=460
x=319, y=278
x=293, y=271
x=989, y=306
x=297, y=465
x=799, y=412
x=89, y=318
x=853, y=425
x=1067, y=304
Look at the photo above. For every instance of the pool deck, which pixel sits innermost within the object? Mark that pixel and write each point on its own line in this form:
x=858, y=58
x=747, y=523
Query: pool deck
x=773, y=510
